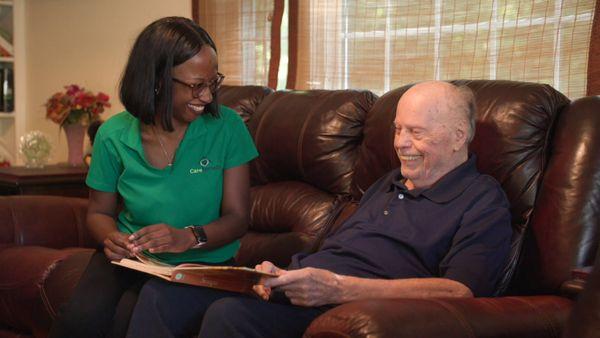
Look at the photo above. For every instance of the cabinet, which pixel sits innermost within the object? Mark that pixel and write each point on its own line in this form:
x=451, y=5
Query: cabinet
x=56, y=179
x=12, y=77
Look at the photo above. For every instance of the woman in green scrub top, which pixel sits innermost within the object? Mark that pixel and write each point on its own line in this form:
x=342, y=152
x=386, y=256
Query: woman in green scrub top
x=175, y=161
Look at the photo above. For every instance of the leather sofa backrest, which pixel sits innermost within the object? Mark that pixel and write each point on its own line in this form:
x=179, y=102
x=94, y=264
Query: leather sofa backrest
x=243, y=99
x=310, y=136
x=307, y=142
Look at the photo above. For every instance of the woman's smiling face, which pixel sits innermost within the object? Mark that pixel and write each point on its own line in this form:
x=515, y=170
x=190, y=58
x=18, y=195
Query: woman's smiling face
x=200, y=69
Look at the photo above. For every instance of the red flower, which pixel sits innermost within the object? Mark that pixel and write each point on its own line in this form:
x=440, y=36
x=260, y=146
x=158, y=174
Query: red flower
x=72, y=89
x=102, y=97
x=76, y=105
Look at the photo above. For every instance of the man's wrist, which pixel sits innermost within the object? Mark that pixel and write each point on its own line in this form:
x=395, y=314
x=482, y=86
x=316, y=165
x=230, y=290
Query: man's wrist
x=339, y=285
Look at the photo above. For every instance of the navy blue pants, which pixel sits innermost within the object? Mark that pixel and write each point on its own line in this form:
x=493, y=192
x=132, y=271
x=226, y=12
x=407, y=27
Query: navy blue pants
x=167, y=309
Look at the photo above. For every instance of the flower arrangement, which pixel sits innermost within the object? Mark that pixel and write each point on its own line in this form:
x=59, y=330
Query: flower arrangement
x=76, y=105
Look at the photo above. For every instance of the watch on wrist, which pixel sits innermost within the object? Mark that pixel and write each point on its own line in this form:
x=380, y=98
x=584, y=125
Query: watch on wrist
x=199, y=234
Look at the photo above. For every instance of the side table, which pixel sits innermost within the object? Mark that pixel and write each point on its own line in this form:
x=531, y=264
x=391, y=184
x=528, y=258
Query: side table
x=56, y=179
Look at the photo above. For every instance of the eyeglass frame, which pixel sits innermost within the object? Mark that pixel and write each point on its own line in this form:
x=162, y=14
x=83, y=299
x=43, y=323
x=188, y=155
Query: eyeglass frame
x=199, y=88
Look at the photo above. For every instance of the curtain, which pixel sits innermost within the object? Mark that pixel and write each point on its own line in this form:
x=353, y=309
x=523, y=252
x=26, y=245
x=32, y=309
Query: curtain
x=384, y=44
x=593, y=78
x=241, y=30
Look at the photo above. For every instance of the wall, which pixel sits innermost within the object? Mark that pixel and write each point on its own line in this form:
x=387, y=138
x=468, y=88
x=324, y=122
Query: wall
x=85, y=42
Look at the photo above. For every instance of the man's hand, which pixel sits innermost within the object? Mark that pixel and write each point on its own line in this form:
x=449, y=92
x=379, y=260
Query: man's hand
x=116, y=246
x=308, y=286
x=161, y=237
x=266, y=266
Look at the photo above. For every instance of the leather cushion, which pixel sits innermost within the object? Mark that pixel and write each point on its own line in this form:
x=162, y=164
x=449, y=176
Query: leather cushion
x=309, y=136
x=286, y=218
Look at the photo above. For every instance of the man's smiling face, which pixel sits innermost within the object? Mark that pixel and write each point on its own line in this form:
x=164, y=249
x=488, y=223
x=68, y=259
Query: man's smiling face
x=427, y=137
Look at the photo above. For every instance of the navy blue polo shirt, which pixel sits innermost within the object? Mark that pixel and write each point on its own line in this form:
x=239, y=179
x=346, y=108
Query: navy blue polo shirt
x=457, y=229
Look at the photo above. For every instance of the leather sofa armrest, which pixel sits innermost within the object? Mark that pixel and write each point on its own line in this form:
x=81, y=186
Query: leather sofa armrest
x=50, y=221
x=536, y=316
x=572, y=287
x=38, y=281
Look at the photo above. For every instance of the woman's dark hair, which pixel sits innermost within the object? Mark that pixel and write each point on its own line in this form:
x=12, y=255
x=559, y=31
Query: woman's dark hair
x=146, y=85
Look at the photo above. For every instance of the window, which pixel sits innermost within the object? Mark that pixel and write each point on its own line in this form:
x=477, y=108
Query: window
x=241, y=30
x=384, y=44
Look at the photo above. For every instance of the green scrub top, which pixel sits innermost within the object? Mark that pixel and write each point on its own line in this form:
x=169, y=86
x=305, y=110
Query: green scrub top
x=187, y=193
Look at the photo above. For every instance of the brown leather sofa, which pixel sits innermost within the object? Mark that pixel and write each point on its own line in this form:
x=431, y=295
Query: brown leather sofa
x=319, y=151
x=584, y=321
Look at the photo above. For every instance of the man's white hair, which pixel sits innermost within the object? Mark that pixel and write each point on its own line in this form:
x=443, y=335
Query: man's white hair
x=466, y=107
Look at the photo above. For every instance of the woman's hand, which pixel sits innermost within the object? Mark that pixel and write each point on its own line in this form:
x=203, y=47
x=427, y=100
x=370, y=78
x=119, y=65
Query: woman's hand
x=116, y=246
x=161, y=237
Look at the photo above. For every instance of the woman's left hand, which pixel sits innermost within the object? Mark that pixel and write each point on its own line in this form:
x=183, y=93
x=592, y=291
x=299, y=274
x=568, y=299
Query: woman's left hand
x=161, y=237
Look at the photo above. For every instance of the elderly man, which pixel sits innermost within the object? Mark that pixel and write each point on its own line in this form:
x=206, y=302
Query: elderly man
x=436, y=227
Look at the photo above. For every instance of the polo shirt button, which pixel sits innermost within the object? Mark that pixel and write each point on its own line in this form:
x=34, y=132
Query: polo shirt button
x=400, y=196
x=385, y=212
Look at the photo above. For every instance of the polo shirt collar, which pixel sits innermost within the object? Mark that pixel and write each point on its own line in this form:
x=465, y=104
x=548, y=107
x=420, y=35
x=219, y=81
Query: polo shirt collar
x=448, y=187
x=132, y=136
x=198, y=127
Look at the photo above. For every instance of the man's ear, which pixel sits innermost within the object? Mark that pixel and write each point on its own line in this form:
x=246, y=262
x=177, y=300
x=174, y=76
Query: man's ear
x=460, y=136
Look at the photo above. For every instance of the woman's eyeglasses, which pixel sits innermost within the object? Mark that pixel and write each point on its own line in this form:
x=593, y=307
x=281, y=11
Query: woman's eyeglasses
x=198, y=88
